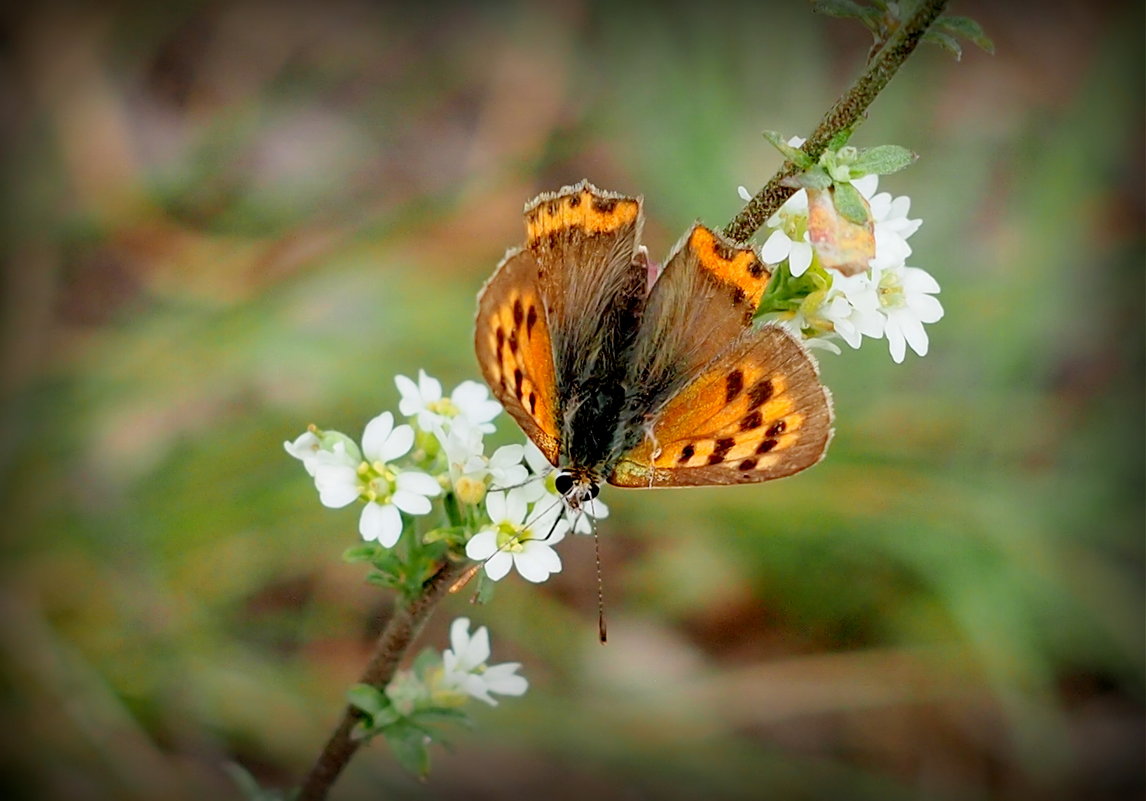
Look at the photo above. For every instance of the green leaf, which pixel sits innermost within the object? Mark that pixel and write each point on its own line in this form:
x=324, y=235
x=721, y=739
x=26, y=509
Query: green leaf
x=368, y=698
x=428, y=658
x=450, y=535
x=411, y=748
x=382, y=580
x=968, y=29
x=839, y=140
x=784, y=292
x=815, y=178
x=882, y=160
x=846, y=9
x=362, y=553
x=850, y=203
x=798, y=157
x=840, y=8
x=485, y=589
x=946, y=41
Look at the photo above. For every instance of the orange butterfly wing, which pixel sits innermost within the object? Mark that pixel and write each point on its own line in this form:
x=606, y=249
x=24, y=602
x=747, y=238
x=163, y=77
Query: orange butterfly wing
x=757, y=411
x=515, y=350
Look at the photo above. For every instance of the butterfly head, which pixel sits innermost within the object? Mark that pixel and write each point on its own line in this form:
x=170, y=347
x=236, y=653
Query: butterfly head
x=576, y=486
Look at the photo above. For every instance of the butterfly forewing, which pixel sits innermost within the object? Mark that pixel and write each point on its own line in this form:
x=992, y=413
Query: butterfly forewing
x=593, y=286
x=515, y=351
x=756, y=412
x=703, y=300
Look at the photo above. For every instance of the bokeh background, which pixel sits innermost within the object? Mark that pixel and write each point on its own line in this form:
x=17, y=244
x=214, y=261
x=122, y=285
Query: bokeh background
x=225, y=220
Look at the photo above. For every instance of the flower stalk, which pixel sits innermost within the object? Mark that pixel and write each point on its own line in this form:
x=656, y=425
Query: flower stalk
x=408, y=619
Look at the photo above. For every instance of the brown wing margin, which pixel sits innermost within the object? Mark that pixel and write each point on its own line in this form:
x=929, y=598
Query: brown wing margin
x=515, y=350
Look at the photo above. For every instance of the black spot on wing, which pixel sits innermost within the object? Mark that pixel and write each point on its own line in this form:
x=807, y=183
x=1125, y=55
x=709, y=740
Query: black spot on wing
x=760, y=393
x=733, y=386
x=723, y=446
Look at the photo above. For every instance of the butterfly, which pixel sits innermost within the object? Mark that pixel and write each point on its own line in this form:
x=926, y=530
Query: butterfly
x=643, y=383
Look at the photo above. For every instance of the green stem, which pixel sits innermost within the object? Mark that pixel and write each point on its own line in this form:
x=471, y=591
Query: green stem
x=846, y=114
x=395, y=640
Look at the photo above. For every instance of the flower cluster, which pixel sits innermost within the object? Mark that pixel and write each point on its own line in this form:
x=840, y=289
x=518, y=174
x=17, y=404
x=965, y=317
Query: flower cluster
x=505, y=510
x=433, y=690
x=836, y=279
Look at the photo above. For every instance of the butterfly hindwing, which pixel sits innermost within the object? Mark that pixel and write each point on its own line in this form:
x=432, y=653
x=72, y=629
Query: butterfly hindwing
x=757, y=411
x=515, y=350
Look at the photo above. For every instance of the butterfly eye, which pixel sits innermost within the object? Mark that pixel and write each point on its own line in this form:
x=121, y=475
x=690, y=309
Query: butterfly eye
x=563, y=483
x=594, y=491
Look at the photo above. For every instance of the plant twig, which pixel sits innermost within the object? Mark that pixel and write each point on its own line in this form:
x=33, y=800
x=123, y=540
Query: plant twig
x=392, y=644
x=844, y=115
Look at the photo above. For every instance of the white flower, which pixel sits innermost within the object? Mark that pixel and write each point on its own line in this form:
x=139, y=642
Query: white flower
x=906, y=299
x=853, y=308
x=470, y=470
x=789, y=240
x=425, y=402
x=305, y=448
x=541, y=488
x=518, y=538
x=342, y=477
x=891, y=226
x=464, y=666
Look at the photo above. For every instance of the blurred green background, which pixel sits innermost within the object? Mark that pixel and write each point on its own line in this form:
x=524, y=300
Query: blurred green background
x=226, y=220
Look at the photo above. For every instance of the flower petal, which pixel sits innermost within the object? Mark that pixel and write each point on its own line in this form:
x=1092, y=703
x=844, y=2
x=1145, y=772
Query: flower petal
x=375, y=436
x=507, y=456
x=896, y=344
x=915, y=334
x=516, y=507
x=411, y=398
x=495, y=507
x=866, y=185
x=536, y=561
x=927, y=308
x=380, y=523
x=304, y=448
x=429, y=387
x=477, y=650
x=418, y=482
x=776, y=248
x=916, y=280
x=482, y=545
x=503, y=679
x=800, y=259
x=474, y=402
x=399, y=442
x=337, y=485
x=411, y=502
x=498, y=565
x=460, y=634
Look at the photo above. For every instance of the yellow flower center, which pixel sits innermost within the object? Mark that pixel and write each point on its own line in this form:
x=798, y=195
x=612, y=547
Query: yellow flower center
x=891, y=294
x=444, y=407
x=512, y=539
x=377, y=481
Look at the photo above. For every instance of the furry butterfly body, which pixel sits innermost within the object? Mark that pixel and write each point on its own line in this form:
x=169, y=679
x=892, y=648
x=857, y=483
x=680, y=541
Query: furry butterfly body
x=644, y=386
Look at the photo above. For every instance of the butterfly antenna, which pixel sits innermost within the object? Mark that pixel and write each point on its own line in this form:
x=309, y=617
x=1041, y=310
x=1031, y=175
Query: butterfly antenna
x=542, y=514
x=601, y=628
